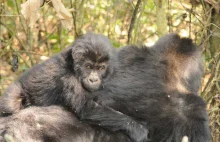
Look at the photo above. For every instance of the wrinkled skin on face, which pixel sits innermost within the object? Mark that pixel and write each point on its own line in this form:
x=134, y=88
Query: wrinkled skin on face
x=92, y=74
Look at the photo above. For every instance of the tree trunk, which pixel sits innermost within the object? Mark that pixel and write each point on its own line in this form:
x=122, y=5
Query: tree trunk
x=215, y=38
x=161, y=17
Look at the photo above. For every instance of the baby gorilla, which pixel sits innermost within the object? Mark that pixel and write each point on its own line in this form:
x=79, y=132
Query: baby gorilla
x=65, y=79
x=68, y=79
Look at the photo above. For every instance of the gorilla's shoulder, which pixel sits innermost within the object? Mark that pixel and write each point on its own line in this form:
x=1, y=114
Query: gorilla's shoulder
x=133, y=52
x=173, y=42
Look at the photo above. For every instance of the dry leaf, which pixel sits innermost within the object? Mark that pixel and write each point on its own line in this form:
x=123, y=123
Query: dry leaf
x=215, y=4
x=31, y=11
x=63, y=14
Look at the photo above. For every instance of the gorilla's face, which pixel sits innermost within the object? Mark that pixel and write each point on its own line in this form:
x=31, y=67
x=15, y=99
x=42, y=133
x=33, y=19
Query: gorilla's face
x=91, y=69
x=92, y=74
x=92, y=59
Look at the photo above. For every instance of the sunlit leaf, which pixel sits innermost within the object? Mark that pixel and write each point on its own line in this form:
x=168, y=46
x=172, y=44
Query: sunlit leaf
x=63, y=14
x=31, y=11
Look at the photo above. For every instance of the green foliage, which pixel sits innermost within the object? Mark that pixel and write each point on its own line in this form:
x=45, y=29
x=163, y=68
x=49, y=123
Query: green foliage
x=10, y=3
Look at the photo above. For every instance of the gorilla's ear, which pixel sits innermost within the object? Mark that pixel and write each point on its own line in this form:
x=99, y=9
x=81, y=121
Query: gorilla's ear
x=79, y=48
x=78, y=52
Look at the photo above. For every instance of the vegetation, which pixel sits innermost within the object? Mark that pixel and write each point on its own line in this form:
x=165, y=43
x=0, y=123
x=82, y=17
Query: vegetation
x=123, y=21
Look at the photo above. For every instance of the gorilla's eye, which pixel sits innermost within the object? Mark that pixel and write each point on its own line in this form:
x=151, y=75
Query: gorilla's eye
x=101, y=68
x=88, y=67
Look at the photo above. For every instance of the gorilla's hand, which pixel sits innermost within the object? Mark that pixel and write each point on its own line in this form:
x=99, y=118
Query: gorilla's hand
x=139, y=134
x=93, y=113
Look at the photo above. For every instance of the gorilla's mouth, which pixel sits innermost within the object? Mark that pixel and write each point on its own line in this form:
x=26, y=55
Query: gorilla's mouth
x=90, y=86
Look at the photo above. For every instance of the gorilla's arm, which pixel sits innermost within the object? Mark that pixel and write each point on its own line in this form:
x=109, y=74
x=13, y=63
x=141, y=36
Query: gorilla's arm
x=106, y=117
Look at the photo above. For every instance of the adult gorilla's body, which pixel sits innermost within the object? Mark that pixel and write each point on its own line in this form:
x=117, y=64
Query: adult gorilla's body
x=53, y=124
x=158, y=87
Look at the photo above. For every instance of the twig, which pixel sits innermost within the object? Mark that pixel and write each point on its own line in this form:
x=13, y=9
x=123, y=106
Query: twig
x=29, y=42
x=216, y=75
x=74, y=15
x=10, y=15
x=31, y=52
x=133, y=20
x=211, y=81
x=18, y=11
x=9, y=29
x=48, y=35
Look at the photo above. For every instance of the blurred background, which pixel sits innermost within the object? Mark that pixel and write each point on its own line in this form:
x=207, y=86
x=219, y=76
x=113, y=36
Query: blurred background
x=123, y=21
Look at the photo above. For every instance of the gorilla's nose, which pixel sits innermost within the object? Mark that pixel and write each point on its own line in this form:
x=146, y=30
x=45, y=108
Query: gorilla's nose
x=93, y=80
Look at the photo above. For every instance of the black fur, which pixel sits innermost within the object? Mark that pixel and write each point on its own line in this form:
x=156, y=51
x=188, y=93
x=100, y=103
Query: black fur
x=157, y=87
x=67, y=79
x=52, y=124
x=59, y=80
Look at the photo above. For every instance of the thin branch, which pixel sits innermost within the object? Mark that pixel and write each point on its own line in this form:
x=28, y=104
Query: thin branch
x=74, y=15
x=11, y=31
x=134, y=16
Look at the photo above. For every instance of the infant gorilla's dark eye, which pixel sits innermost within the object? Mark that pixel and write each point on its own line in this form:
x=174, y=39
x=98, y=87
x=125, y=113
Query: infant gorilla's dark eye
x=88, y=67
x=101, y=68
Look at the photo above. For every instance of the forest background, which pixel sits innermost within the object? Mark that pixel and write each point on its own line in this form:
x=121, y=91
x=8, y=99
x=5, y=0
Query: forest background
x=28, y=37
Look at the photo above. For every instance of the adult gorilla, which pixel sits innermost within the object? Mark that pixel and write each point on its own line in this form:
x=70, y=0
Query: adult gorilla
x=158, y=88
x=155, y=86
x=52, y=124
